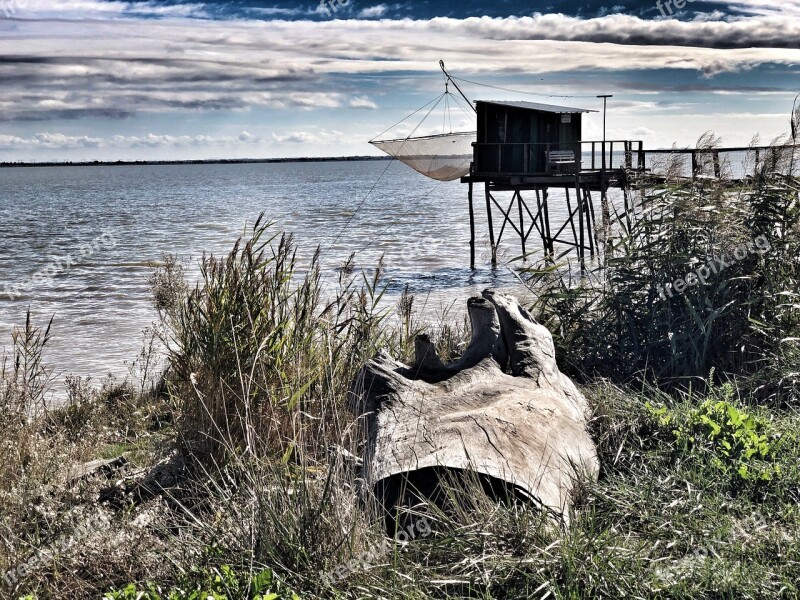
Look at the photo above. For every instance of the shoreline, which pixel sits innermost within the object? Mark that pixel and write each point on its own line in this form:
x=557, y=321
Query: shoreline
x=220, y=161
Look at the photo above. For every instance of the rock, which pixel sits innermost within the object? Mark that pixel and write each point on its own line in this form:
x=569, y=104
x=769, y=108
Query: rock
x=503, y=411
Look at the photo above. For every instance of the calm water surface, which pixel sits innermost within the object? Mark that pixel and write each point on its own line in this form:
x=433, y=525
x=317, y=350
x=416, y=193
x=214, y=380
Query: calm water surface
x=79, y=243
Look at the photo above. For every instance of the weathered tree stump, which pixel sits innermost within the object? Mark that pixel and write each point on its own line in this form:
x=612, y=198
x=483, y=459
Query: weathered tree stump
x=503, y=412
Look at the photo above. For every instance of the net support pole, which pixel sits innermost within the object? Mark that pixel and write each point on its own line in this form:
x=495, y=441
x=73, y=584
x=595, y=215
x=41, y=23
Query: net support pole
x=450, y=80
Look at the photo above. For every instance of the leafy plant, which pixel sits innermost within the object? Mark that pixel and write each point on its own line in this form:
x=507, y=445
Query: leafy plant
x=740, y=444
x=215, y=584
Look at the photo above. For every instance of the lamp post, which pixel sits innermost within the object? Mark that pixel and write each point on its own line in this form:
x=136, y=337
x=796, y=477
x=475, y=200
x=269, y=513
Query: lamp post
x=603, y=189
x=605, y=98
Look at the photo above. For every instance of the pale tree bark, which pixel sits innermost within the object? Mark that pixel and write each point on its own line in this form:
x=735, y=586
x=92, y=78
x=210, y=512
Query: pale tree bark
x=503, y=411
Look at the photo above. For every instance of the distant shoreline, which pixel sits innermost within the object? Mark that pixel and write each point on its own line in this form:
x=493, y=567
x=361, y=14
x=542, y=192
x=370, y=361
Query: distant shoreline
x=221, y=161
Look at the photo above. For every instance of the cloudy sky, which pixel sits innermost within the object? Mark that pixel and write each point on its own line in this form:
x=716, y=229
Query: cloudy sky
x=117, y=80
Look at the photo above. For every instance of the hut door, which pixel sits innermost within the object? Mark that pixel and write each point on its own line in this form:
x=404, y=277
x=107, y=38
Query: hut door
x=548, y=137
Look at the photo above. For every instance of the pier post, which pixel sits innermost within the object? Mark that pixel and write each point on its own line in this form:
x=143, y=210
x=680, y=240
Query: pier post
x=582, y=242
x=471, y=229
x=550, y=246
x=491, y=222
x=521, y=223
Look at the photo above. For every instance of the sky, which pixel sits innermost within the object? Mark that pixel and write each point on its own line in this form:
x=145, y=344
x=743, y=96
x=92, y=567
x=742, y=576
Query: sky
x=119, y=80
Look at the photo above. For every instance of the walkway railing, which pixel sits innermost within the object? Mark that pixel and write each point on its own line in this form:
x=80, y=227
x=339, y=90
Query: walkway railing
x=723, y=163
x=552, y=159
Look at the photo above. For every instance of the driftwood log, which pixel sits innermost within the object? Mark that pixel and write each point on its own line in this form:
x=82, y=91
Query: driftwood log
x=503, y=412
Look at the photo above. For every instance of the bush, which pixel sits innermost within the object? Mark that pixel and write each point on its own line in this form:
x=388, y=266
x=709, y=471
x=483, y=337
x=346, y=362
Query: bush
x=256, y=357
x=704, y=277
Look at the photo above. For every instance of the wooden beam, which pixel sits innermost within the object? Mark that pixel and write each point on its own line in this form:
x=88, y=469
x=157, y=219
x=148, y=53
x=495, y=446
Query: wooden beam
x=570, y=219
x=521, y=223
x=590, y=228
x=547, y=220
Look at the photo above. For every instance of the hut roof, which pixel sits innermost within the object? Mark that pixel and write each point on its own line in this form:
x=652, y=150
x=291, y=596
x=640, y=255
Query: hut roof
x=552, y=108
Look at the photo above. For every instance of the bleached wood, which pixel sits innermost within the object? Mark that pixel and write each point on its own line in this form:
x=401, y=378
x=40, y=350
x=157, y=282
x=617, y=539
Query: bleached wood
x=503, y=410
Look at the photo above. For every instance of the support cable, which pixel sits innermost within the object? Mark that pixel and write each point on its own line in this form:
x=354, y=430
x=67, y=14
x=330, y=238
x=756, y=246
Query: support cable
x=377, y=181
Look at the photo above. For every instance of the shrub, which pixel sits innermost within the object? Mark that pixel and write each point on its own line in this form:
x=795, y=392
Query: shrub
x=629, y=320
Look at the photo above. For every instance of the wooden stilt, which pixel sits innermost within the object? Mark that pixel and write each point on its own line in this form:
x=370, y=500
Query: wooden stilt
x=582, y=242
x=590, y=230
x=628, y=201
x=547, y=222
x=606, y=216
x=570, y=212
x=521, y=222
x=491, y=223
x=543, y=233
x=471, y=230
x=590, y=204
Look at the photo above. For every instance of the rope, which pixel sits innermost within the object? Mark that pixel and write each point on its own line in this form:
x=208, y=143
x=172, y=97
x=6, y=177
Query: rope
x=420, y=109
x=397, y=218
x=436, y=101
x=377, y=181
x=446, y=114
x=505, y=89
x=467, y=111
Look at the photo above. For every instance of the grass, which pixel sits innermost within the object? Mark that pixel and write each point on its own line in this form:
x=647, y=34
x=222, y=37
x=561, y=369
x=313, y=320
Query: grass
x=243, y=483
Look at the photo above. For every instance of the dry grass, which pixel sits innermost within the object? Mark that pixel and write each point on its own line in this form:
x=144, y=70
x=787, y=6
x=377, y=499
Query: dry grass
x=253, y=486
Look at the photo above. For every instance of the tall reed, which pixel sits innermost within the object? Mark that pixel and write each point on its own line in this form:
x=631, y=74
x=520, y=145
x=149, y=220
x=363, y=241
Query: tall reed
x=257, y=357
x=704, y=276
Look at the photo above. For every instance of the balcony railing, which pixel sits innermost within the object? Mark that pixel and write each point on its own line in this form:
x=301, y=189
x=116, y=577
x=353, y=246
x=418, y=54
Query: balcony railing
x=556, y=159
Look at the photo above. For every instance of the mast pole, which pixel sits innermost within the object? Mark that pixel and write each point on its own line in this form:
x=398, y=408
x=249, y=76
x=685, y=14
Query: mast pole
x=451, y=80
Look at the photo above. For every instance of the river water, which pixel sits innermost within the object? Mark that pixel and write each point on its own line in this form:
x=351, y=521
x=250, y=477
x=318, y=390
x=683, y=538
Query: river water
x=80, y=243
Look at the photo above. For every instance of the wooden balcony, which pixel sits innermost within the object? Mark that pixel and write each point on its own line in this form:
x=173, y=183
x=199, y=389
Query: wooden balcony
x=551, y=163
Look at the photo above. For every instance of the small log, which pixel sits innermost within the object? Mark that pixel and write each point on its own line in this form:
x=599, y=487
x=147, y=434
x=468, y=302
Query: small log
x=503, y=411
x=100, y=469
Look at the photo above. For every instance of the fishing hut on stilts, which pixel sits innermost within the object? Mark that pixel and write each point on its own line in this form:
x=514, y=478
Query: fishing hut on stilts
x=530, y=149
x=522, y=152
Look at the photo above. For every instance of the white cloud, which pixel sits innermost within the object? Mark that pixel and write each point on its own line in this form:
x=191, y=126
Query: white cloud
x=96, y=9
x=780, y=8
x=122, y=68
x=318, y=137
x=362, y=102
x=50, y=141
x=373, y=12
x=716, y=15
x=115, y=65
x=273, y=11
